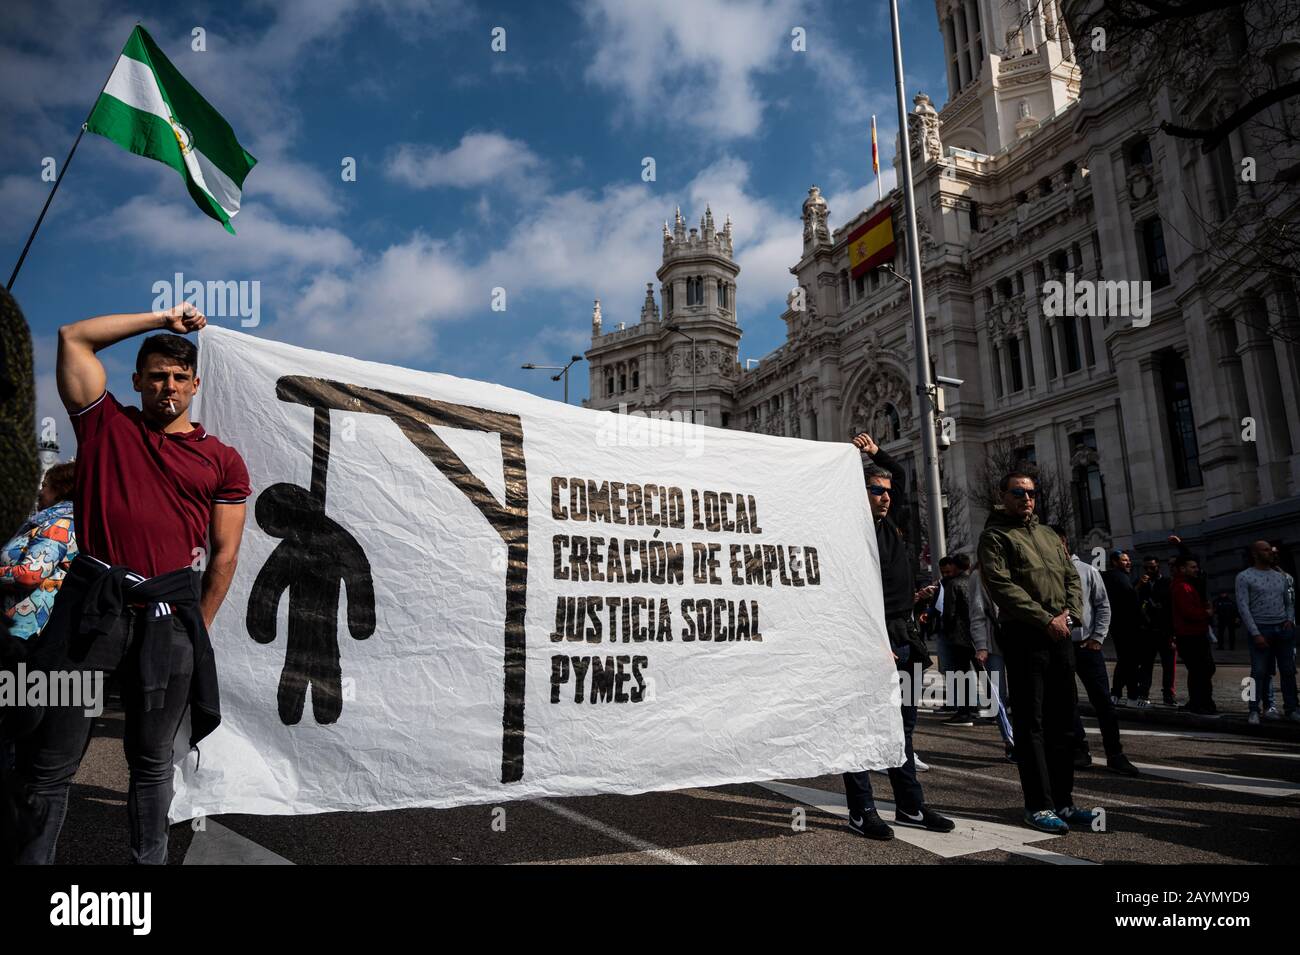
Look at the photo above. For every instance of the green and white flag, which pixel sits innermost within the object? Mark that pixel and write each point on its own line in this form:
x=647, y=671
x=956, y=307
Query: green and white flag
x=148, y=108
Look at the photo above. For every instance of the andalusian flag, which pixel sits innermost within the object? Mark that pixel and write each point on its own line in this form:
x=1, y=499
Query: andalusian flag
x=148, y=108
x=872, y=243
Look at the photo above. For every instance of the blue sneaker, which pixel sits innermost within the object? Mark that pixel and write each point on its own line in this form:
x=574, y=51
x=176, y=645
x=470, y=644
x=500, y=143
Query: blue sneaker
x=1079, y=818
x=1046, y=821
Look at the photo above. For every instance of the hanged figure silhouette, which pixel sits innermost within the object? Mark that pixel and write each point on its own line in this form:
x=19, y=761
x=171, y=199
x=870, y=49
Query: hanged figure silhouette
x=316, y=556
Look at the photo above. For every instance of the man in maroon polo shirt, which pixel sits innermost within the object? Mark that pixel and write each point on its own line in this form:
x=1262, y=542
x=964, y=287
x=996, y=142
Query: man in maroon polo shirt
x=159, y=507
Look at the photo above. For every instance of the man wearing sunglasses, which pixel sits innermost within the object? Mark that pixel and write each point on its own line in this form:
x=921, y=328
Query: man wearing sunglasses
x=1039, y=598
x=885, y=477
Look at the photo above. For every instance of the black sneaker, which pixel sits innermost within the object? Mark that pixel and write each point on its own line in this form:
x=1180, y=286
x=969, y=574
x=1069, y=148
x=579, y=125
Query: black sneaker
x=1082, y=759
x=960, y=719
x=870, y=824
x=1120, y=764
x=925, y=819
x=1170, y=699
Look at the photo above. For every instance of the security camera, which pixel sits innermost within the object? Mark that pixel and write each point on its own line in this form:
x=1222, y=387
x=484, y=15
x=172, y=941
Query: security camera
x=949, y=382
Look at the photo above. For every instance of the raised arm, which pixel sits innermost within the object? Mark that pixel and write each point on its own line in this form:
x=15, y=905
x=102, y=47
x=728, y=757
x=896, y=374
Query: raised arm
x=80, y=374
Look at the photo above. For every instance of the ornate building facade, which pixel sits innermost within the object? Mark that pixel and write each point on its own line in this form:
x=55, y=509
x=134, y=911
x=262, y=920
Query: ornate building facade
x=1172, y=417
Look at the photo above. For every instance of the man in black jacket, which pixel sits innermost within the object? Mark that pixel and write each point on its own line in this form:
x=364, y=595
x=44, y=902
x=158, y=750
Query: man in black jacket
x=884, y=478
x=1125, y=628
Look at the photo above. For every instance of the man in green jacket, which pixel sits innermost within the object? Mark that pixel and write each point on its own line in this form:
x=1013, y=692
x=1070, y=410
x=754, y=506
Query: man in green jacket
x=1036, y=590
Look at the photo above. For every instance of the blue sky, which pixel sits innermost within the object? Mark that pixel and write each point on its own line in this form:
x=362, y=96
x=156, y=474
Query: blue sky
x=475, y=169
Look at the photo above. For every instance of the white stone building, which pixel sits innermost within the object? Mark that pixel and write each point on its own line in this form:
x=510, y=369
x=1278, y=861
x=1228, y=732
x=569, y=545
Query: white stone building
x=1027, y=175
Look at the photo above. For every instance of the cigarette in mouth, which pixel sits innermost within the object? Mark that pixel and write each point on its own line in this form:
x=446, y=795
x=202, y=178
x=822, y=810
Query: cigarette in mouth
x=171, y=406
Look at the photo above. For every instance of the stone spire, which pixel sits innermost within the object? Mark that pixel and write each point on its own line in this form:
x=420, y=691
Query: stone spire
x=649, y=309
x=679, y=226
x=595, y=319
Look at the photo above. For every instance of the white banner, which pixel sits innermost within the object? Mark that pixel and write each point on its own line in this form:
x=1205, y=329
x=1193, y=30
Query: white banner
x=451, y=592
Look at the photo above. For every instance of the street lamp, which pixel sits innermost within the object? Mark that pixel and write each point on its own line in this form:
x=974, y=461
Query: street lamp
x=562, y=372
x=929, y=442
x=694, y=400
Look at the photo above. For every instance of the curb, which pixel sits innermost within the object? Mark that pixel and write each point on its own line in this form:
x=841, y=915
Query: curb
x=1235, y=723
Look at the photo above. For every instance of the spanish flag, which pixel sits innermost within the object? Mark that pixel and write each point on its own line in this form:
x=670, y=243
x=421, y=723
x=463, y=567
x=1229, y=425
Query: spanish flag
x=872, y=243
x=875, y=151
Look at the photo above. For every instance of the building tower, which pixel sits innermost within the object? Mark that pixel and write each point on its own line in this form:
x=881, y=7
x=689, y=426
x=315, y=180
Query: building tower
x=1010, y=67
x=682, y=353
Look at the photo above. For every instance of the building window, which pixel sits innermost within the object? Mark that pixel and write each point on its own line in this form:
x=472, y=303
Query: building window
x=1089, y=488
x=1045, y=186
x=622, y=378
x=1050, y=352
x=726, y=419
x=975, y=211
x=1178, y=418
x=860, y=286
x=1139, y=155
x=1040, y=275
x=1005, y=288
x=997, y=370
x=1025, y=457
x=1017, y=382
x=1089, y=351
x=1096, y=252
x=1070, y=335
x=1061, y=262
x=988, y=299
x=1153, y=253
x=1020, y=283
x=636, y=376
x=609, y=385
x=1225, y=179
x=1022, y=198
x=668, y=299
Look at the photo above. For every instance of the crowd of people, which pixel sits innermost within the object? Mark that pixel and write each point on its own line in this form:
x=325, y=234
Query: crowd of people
x=1033, y=619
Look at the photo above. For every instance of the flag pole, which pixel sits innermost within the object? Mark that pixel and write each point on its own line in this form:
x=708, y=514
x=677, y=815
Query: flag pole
x=45, y=208
x=66, y=162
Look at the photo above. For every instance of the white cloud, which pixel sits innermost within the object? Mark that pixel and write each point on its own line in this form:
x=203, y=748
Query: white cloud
x=691, y=61
x=480, y=159
x=264, y=242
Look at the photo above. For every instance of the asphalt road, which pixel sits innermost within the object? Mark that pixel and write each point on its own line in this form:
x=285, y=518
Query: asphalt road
x=1219, y=797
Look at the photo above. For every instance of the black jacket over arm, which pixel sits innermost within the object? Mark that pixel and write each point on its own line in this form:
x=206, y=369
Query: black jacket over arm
x=95, y=596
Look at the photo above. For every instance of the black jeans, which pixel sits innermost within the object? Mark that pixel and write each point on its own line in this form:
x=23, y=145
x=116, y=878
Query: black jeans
x=1199, y=660
x=1046, y=704
x=48, y=757
x=1091, y=667
x=1154, y=643
x=1127, y=668
x=907, y=789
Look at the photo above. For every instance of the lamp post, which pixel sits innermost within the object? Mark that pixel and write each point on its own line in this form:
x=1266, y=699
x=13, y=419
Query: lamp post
x=562, y=372
x=929, y=444
x=694, y=398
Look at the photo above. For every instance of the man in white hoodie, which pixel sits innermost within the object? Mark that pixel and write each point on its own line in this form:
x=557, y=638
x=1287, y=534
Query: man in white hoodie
x=1090, y=665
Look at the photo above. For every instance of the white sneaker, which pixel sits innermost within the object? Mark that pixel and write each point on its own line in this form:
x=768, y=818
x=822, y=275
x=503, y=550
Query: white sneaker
x=1272, y=714
x=921, y=767
x=1253, y=718
x=1142, y=701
